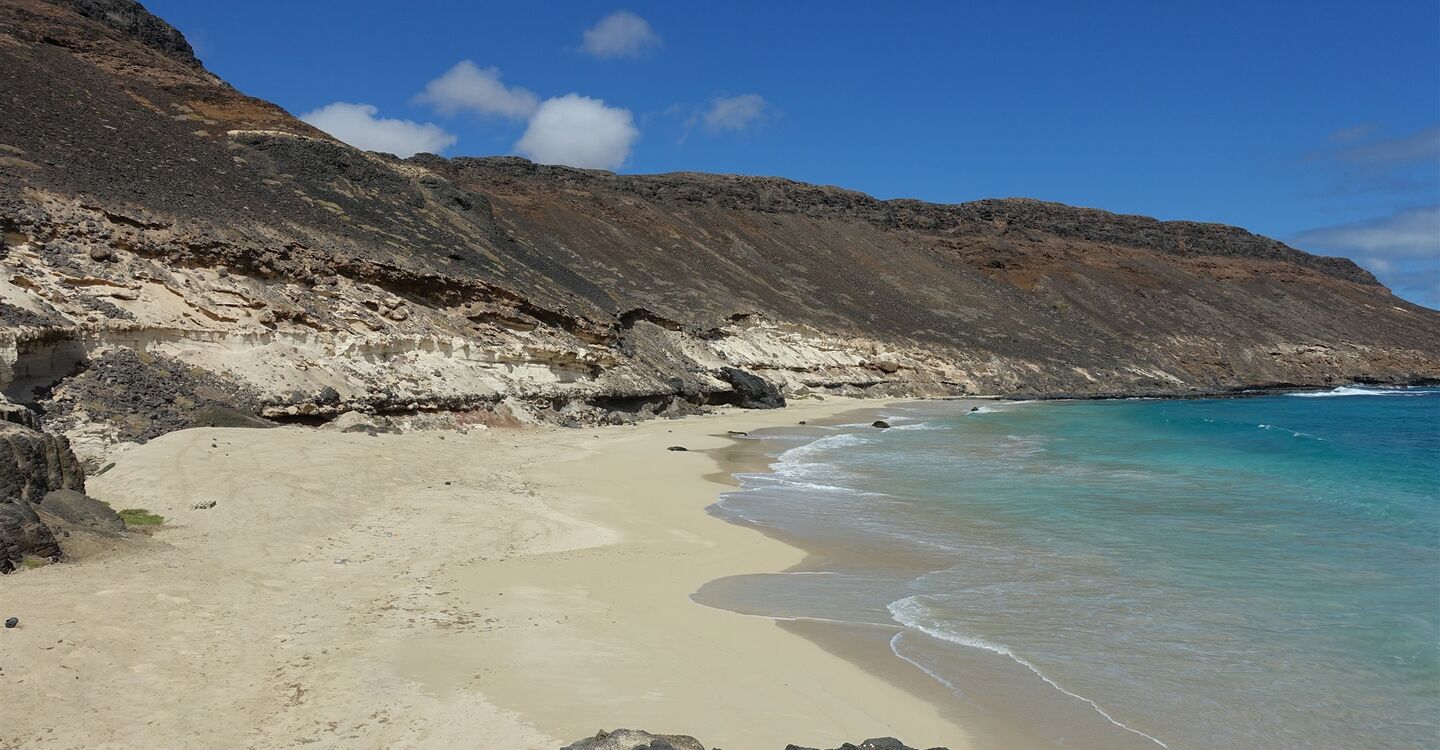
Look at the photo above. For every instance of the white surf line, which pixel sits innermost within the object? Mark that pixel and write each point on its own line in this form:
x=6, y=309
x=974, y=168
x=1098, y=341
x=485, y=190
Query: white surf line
x=896, y=651
x=1005, y=651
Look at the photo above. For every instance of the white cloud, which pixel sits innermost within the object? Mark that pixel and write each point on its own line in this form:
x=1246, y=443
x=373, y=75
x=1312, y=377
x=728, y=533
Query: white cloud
x=579, y=132
x=1412, y=233
x=1363, y=159
x=1420, y=147
x=1354, y=133
x=620, y=34
x=734, y=113
x=357, y=125
x=470, y=87
x=1402, y=249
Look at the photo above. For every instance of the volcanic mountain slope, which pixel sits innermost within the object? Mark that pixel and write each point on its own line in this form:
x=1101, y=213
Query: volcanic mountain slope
x=146, y=205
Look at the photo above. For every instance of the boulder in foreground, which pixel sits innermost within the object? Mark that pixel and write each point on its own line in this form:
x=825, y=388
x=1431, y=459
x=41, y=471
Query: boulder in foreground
x=632, y=739
x=42, y=491
x=882, y=743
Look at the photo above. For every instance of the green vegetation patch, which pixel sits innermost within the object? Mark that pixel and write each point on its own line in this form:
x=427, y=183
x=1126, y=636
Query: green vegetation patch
x=141, y=517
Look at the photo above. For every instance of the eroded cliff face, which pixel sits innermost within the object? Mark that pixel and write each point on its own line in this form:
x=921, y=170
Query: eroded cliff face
x=147, y=206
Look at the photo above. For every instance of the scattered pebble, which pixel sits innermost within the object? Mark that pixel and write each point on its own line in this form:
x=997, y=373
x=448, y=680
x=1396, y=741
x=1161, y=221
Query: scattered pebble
x=204, y=505
x=12, y=622
x=677, y=448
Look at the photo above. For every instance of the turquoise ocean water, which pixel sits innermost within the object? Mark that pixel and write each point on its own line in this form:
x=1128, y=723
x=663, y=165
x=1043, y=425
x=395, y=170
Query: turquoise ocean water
x=1234, y=573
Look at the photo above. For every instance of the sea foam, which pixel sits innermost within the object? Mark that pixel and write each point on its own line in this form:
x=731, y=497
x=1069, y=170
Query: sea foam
x=1361, y=390
x=912, y=613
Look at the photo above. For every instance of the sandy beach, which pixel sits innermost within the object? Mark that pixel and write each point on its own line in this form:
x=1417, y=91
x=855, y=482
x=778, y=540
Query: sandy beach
x=501, y=588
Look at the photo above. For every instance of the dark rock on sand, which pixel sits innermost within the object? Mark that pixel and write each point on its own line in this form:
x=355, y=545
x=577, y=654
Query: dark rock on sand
x=76, y=510
x=23, y=533
x=752, y=391
x=880, y=743
x=12, y=622
x=630, y=739
x=35, y=466
x=677, y=448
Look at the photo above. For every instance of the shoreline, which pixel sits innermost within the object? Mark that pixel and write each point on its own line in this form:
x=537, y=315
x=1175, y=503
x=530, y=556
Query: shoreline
x=1023, y=717
x=525, y=587
x=827, y=698
x=999, y=701
x=516, y=588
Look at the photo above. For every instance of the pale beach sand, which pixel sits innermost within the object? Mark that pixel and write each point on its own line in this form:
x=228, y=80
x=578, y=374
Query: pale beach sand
x=342, y=594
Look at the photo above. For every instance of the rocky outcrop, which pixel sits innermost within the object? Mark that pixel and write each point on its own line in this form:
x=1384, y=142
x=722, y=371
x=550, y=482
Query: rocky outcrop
x=882, y=743
x=33, y=463
x=141, y=395
x=271, y=271
x=133, y=20
x=752, y=391
x=630, y=739
x=22, y=533
x=32, y=466
x=68, y=510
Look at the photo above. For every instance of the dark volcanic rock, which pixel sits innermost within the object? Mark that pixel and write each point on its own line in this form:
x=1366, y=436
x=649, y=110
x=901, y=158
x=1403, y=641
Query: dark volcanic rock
x=23, y=533
x=34, y=463
x=17, y=414
x=130, y=18
x=880, y=424
x=752, y=391
x=11, y=315
x=146, y=395
x=882, y=743
x=32, y=466
x=630, y=739
x=73, y=510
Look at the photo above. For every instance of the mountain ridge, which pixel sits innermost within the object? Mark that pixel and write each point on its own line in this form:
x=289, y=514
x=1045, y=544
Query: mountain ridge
x=148, y=205
x=1063, y=218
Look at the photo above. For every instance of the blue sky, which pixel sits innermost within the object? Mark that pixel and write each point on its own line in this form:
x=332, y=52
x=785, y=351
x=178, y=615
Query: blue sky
x=1314, y=122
